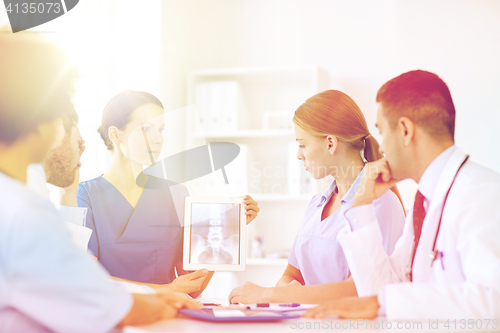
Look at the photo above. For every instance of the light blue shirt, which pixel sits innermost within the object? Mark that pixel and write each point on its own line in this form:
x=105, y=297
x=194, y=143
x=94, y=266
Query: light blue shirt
x=316, y=251
x=46, y=283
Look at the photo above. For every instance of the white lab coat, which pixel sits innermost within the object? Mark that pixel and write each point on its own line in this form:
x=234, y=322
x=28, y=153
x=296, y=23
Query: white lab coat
x=74, y=217
x=469, y=285
x=46, y=283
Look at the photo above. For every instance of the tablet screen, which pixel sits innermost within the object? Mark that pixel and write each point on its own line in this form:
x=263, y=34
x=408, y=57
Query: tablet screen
x=215, y=233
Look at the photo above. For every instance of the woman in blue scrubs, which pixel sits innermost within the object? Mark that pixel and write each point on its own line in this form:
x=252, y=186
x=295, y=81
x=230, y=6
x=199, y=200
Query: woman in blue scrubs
x=137, y=232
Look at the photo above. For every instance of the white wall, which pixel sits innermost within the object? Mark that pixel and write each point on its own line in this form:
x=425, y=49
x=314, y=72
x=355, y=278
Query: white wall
x=115, y=44
x=362, y=44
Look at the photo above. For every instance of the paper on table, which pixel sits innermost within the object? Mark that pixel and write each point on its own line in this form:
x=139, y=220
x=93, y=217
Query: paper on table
x=80, y=236
x=227, y=313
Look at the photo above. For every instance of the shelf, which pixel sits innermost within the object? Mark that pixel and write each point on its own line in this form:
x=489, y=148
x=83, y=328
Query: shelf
x=280, y=197
x=247, y=134
x=257, y=115
x=267, y=261
x=281, y=72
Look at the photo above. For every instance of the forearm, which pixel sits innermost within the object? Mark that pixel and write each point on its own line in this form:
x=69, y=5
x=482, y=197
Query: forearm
x=312, y=294
x=134, y=282
x=146, y=309
x=368, y=261
x=285, y=279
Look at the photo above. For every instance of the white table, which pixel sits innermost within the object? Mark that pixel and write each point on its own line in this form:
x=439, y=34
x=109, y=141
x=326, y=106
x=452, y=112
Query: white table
x=331, y=324
x=298, y=325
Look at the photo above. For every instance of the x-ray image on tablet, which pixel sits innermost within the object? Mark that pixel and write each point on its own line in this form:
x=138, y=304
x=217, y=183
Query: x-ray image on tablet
x=214, y=234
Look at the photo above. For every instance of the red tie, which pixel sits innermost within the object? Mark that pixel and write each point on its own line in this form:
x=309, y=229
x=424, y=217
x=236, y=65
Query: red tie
x=418, y=219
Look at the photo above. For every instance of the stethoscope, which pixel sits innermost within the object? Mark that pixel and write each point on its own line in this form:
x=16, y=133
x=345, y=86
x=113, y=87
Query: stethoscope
x=435, y=253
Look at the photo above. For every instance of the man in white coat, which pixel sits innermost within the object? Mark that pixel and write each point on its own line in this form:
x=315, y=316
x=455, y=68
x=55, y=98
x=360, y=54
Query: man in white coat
x=446, y=265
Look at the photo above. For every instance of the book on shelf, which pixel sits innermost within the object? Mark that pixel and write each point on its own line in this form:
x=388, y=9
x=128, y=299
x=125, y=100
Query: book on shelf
x=220, y=106
x=230, y=106
x=201, y=102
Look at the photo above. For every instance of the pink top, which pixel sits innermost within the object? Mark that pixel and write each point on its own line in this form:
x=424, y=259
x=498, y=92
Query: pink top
x=316, y=251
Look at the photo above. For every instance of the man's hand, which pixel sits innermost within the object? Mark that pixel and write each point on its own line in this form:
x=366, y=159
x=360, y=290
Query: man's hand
x=148, y=309
x=249, y=293
x=187, y=283
x=349, y=307
x=376, y=180
x=251, y=208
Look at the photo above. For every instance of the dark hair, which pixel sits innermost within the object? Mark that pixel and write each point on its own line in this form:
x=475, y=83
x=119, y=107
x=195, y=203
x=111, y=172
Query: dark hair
x=69, y=120
x=422, y=97
x=119, y=110
x=35, y=85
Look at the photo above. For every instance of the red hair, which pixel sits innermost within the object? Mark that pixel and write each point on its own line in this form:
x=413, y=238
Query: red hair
x=332, y=112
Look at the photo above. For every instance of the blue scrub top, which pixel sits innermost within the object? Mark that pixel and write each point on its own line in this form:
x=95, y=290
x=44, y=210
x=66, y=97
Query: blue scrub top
x=141, y=244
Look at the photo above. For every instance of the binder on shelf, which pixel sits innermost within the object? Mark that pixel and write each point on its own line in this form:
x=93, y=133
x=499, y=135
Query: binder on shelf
x=219, y=106
x=231, y=99
x=215, y=106
x=201, y=102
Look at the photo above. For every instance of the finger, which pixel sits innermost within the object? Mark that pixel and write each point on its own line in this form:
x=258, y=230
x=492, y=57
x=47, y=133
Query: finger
x=251, y=217
x=321, y=313
x=249, y=200
x=385, y=171
x=198, y=274
x=376, y=169
x=310, y=313
x=233, y=293
x=191, y=304
x=252, y=208
x=250, y=213
x=392, y=182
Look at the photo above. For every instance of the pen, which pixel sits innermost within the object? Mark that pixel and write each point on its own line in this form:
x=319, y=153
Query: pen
x=228, y=307
x=291, y=305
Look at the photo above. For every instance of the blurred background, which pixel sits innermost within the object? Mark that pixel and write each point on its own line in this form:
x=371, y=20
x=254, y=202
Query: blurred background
x=268, y=56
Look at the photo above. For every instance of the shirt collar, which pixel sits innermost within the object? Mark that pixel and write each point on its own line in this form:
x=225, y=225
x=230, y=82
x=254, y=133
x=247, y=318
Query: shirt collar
x=430, y=177
x=348, y=197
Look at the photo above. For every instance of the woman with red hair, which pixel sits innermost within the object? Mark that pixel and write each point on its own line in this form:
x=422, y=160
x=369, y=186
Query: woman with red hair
x=333, y=140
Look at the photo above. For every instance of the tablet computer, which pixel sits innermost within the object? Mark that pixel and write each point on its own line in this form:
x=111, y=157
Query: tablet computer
x=233, y=315
x=214, y=234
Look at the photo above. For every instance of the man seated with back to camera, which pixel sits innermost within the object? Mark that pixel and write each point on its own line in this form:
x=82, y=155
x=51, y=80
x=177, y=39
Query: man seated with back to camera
x=47, y=283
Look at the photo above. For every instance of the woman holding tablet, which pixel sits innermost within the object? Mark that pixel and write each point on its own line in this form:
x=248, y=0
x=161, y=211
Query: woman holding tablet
x=136, y=219
x=333, y=140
